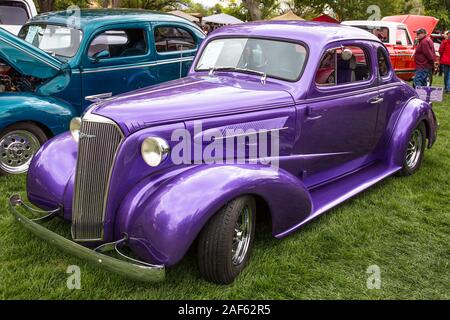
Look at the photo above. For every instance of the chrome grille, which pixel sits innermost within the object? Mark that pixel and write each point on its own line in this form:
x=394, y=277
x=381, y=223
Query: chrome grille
x=99, y=140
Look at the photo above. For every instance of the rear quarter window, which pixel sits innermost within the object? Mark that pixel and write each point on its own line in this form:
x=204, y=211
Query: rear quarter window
x=170, y=39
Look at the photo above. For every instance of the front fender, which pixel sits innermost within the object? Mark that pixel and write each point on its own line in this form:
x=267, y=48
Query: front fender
x=51, y=174
x=53, y=113
x=162, y=217
x=412, y=114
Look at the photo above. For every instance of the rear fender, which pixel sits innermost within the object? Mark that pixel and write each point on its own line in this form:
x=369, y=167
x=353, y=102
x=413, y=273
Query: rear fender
x=413, y=113
x=163, y=216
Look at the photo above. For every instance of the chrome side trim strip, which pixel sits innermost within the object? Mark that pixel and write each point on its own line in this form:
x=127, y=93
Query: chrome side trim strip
x=401, y=55
x=351, y=93
x=405, y=71
x=136, y=66
x=252, y=133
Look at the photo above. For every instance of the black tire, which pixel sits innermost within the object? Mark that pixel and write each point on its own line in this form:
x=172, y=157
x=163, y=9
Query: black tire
x=409, y=168
x=215, y=245
x=31, y=129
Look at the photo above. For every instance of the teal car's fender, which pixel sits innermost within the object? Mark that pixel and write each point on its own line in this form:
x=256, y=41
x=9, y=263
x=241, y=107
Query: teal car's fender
x=49, y=113
x=157, y=217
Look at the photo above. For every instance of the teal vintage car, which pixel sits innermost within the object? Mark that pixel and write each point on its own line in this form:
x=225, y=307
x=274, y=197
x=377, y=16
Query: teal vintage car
x=61, y=62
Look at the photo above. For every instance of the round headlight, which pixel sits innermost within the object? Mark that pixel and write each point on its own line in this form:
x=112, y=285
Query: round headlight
x=75, y=126
x=154, y=150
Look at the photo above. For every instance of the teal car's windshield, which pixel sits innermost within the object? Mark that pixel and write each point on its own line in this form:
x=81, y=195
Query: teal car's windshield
x=56, y=40
x=273, y=58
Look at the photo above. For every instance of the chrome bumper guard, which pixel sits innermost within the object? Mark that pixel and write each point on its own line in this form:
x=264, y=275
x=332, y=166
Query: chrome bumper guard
x=137, y=270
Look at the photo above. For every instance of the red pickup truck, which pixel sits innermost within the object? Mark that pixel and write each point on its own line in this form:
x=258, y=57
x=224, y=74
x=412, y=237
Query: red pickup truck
x=397, y=33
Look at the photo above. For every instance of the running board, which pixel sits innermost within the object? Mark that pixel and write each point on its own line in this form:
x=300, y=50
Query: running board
x=330, y=195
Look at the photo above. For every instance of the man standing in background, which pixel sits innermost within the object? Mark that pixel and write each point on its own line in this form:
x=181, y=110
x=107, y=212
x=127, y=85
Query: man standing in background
x=425, y=58
x=444, y=52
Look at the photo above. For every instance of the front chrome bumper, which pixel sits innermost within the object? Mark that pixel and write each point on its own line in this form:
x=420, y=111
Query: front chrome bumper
x=136, y=270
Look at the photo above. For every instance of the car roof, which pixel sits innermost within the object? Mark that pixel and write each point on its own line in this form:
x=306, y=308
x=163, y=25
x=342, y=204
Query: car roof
x=376, y=23
x=312, y=33
x=94, y=18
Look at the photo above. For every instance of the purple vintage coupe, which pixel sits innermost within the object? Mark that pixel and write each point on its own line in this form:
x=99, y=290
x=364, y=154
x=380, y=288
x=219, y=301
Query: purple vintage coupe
x=284, y=118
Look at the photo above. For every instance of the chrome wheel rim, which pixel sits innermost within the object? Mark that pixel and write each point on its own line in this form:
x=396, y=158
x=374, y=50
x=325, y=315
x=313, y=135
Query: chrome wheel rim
x=16, y=151
x=242, y=235
x=414, y=149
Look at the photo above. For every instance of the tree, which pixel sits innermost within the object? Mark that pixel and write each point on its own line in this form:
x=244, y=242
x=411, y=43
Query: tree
x=64, y=4
x=255, y=10
x=414, y=7
x=237, y=10
x=196, y=7
x=52, y=5
x=45, y=5
x=439, y=9
x=351, y=9
x=159, y=5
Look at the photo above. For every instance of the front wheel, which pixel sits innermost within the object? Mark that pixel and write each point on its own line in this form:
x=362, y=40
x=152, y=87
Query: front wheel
x=414, y=151
x=226, y=241
x=18, y=144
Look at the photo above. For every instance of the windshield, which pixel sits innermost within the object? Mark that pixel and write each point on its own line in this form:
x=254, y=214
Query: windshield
x=56, y=40
x=277, y=59
x=13, y=13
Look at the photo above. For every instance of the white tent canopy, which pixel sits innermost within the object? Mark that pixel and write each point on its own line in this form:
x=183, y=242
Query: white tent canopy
x=184, y=15
x=222, y=18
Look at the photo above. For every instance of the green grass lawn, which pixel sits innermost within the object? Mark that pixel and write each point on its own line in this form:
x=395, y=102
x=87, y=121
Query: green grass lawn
x=402, y=225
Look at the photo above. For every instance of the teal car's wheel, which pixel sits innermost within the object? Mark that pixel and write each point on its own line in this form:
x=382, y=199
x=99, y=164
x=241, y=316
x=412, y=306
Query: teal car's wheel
x=225, y=243
x=414, y=151
x=18, y=144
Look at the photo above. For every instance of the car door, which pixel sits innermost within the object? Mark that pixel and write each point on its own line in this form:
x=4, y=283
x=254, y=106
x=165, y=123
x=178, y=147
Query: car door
x=404, y=52
x=392, y=93
x=118, y=59
x=339, y=118
x=175, y=48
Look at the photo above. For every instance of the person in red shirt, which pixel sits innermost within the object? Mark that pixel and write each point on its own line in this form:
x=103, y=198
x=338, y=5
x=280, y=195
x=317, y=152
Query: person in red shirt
x=444, y=52
x=425, y=58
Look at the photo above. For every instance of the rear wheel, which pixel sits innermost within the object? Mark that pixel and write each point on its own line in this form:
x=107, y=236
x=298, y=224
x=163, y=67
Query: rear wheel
x=18, y=144
x=414, y=151
x=226, y=241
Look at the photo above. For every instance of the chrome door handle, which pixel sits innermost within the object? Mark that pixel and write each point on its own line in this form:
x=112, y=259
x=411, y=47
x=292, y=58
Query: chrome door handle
x=377, y=100
x=311, y=114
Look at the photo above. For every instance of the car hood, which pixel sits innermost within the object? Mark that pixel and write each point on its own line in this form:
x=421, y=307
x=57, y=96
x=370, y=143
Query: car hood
x=414, y=22
x=27, y=59
x=192, y=98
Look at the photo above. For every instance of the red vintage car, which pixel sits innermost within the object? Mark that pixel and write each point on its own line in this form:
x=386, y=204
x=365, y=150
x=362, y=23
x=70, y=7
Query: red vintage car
x=397, y=33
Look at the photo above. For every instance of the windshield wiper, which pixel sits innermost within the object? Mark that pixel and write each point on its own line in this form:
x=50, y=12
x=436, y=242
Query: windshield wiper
x=243, y=70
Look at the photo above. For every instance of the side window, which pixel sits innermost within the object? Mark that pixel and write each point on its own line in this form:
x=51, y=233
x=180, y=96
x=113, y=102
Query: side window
x=168, y=39
x=119, y=43
x=383, y=65
x=381, y=33
x=402, y=37
x=343, y=65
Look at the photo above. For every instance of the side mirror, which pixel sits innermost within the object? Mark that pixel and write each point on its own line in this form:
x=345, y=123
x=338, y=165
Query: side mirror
x=104, y=54
x=346, y=54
